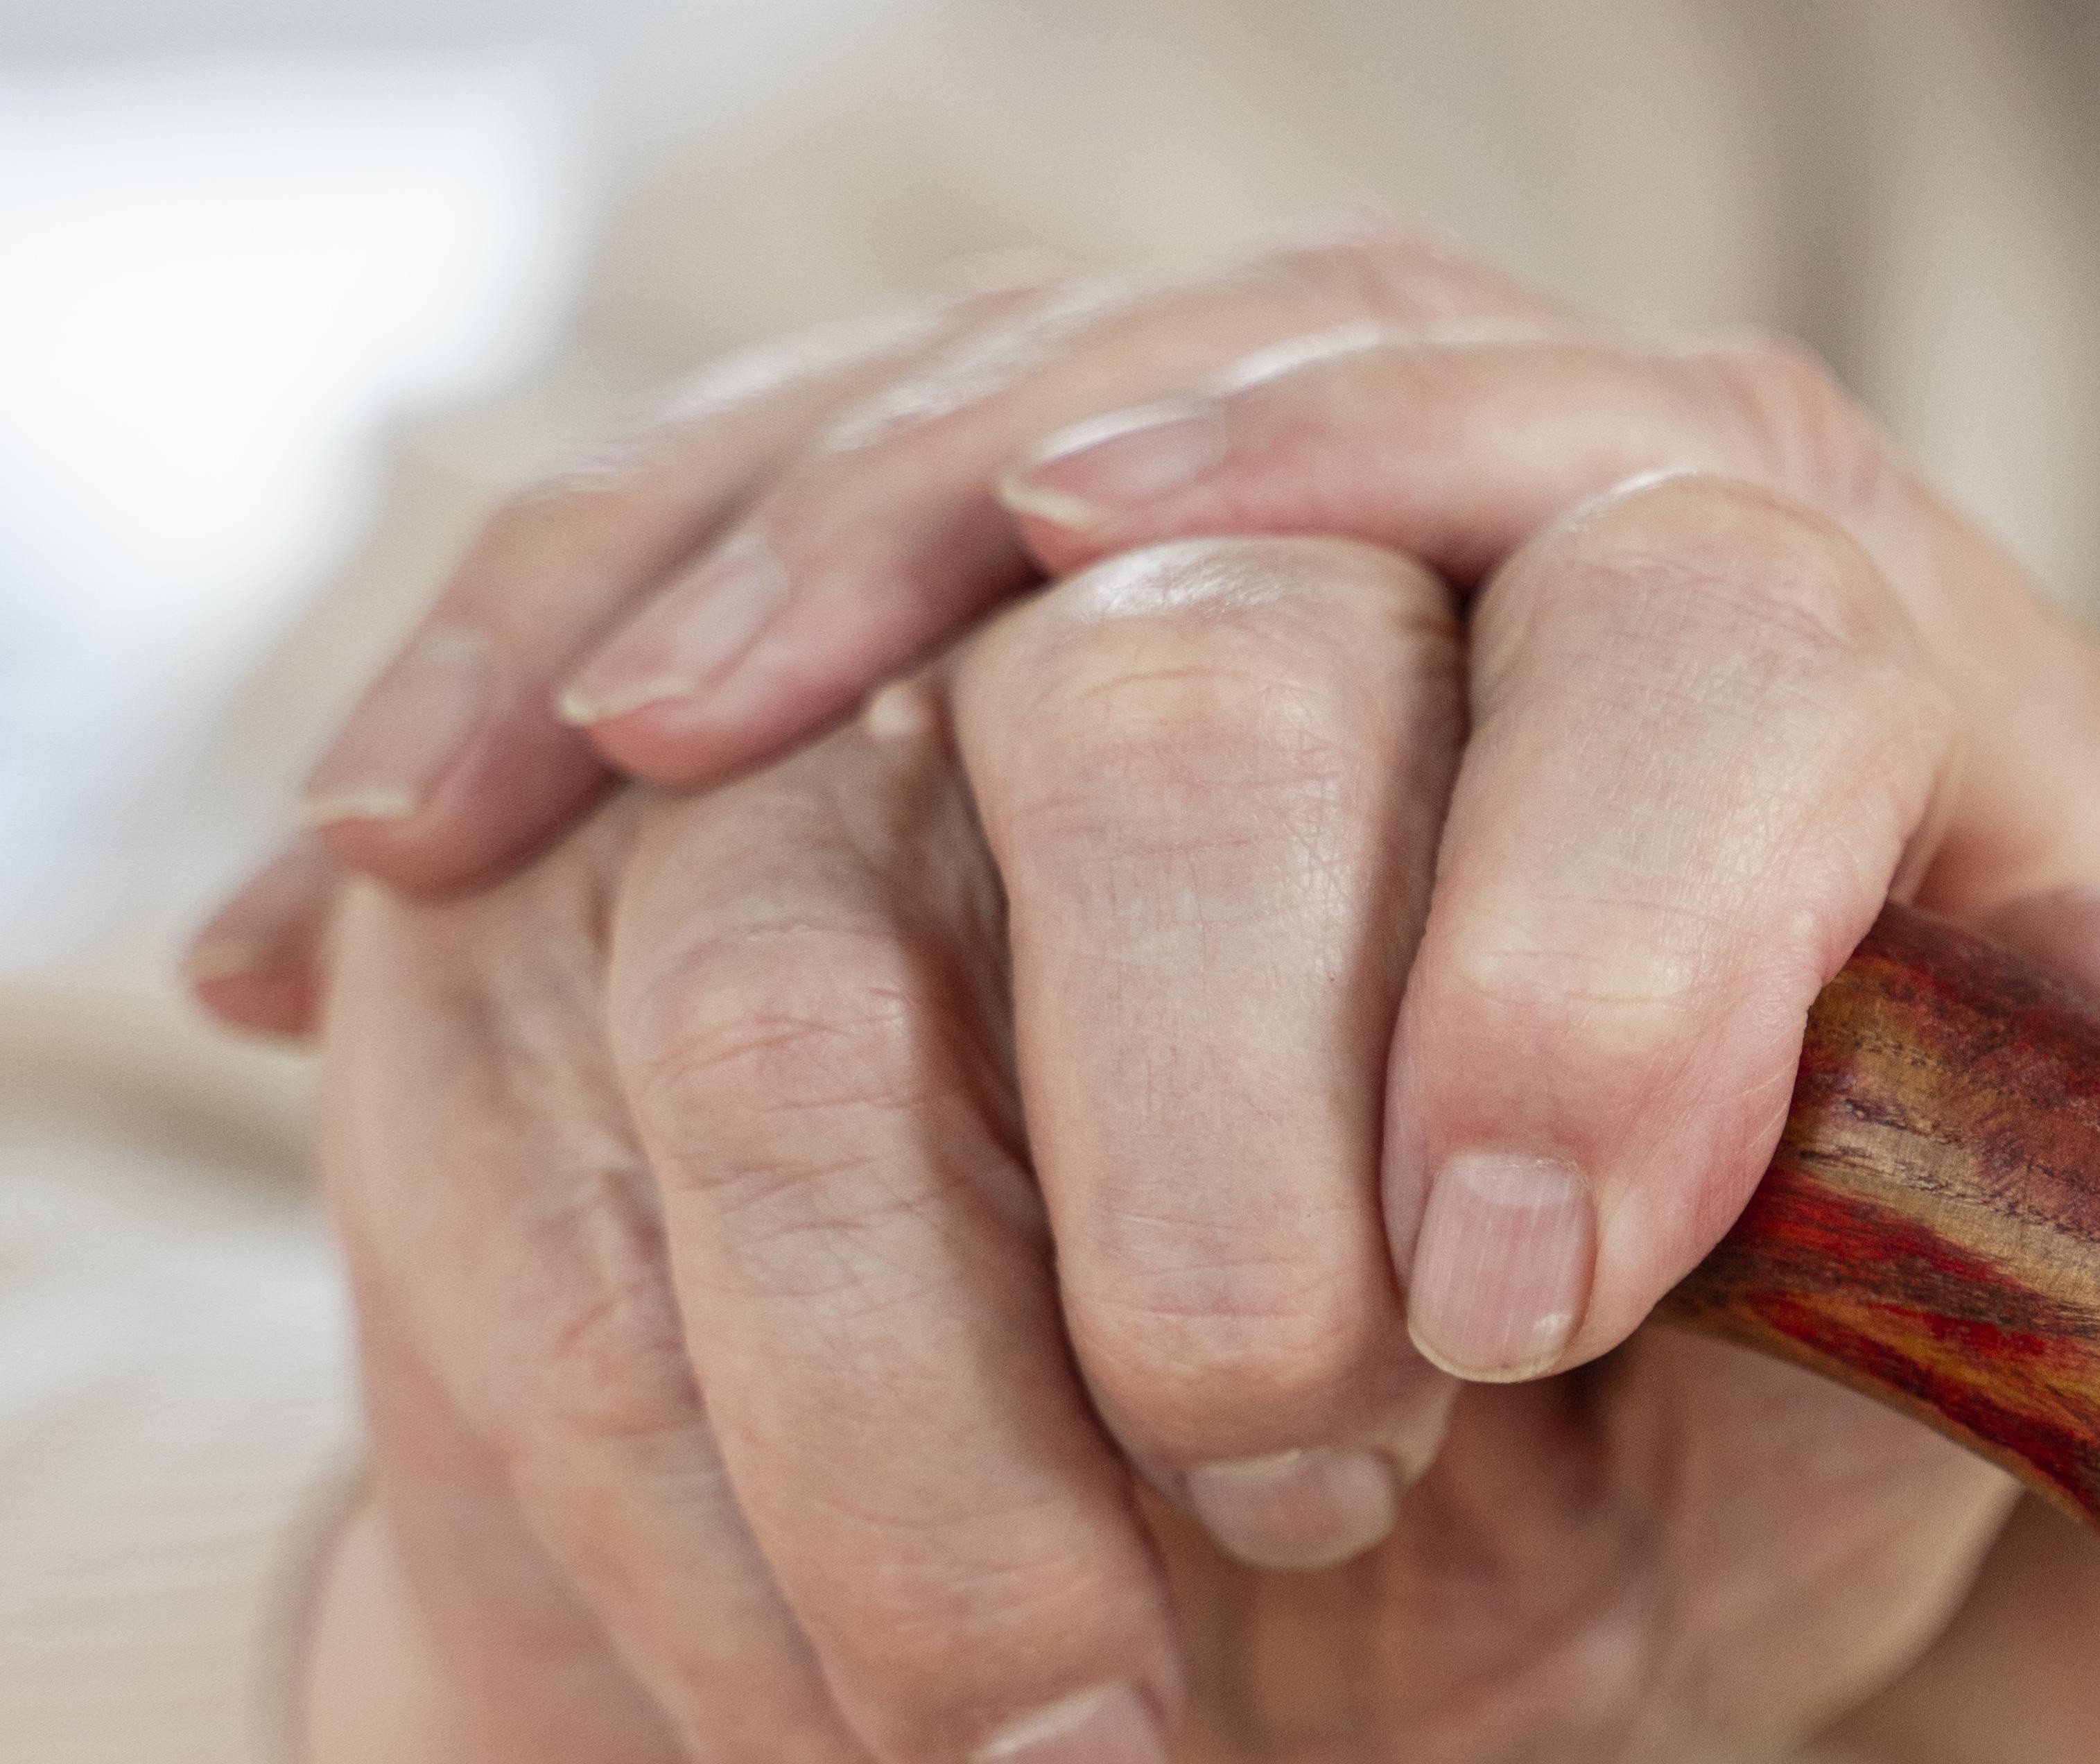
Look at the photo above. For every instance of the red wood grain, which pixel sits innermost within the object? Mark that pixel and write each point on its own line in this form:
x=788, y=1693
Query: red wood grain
x=1930, y=1229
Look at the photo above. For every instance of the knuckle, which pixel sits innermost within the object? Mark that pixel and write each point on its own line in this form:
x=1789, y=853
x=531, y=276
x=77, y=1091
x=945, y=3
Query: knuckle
x=1184, y=674
x=1713, y=558
x=1759, y=606
x=803, y=1019
x=1811, y=433
x=594, y=1351
x=1203, y=1355
x=614, y=1365
x=1171, y=738
x=1611, y=989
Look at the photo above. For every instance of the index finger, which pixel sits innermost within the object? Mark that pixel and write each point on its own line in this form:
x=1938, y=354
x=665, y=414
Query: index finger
x=456, y=763
x=890, y=537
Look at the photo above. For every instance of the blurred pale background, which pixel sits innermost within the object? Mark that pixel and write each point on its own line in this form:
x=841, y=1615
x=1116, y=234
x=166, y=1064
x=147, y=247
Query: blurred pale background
x=289, y=288
x=236, y=237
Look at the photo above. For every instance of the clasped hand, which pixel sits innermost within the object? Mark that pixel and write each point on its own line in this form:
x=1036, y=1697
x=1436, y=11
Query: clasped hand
x=1110, y=1201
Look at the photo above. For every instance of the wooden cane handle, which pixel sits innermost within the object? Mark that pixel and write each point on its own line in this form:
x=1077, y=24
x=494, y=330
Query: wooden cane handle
x=1930, y=1229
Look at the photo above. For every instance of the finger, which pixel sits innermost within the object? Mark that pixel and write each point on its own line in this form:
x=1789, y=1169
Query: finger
x=529, y=1674
x=891, y=536
x=455, y=762
x=1456, y=452
x=370, y=1681
x=1212, y=775
x=1460, y=453
x=1705, y=750
x=500, y=1208
x=258, y=964
x=810, y=1037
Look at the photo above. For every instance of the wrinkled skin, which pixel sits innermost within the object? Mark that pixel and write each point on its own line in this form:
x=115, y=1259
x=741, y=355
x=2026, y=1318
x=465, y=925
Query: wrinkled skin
x=1677, y=1551
x=1260, y=887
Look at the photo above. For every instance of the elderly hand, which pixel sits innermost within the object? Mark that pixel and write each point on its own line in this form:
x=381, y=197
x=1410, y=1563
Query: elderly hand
x=1714, y=721
x=797, y=521
x=745, y=1381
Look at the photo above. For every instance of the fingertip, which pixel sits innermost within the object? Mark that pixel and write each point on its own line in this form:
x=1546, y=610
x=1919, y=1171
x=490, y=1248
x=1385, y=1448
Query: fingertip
x=409, y=840
x=255, y=963
x=452, y=765
x=416, y=853
x=1116, y=1723
x=1091, y=472
x=522, y=783
x=1501, y=1273
x=692, y=636
x=683, y=736
x=581, y=707
x=1298, y=1511
x=1056, y=546
x=1082, y=491
x=1045, y=509
x=283, y=1002
x=386, y=803
x=409, y=729
x=672, y=742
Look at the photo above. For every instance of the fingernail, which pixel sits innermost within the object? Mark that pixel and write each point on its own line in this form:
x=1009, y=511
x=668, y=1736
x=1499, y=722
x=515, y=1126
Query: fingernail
x=1092, y=472
x=222, y=958
x=1502, y=1266
x=685, y=640
x=407, y=733
x=1296, y=1509
x=1411, y=1443
x=1112, y=1725
x=269, y=926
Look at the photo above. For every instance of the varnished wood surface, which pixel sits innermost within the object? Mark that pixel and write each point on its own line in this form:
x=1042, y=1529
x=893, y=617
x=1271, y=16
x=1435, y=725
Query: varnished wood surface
x=1930, y=1229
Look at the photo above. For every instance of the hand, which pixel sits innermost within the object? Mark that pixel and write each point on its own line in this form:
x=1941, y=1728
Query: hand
x=1411, y=398
x=1651, y=981
x=958, y=1549
x=854, y=471
x=2015, y=819
x=1209, y=781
